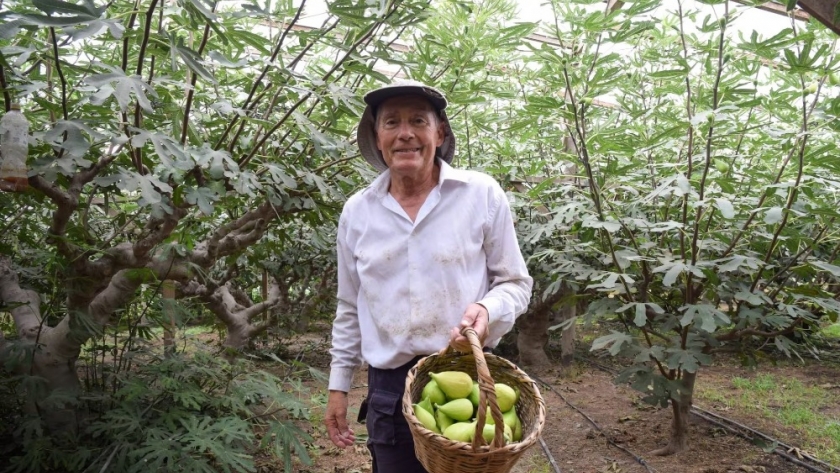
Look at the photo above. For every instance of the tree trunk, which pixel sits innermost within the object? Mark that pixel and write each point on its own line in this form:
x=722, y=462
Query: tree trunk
x=168, y=288
x=533, y=327
x=50, y=353
x=567, y=338
x=53, y=359
x=532, y=338
x=679, y=425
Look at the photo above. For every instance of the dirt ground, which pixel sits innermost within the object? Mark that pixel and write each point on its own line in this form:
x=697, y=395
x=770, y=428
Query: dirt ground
x=577, y=446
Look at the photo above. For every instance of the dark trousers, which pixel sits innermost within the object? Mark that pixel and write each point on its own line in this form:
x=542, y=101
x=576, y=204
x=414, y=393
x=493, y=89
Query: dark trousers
x=389, y=438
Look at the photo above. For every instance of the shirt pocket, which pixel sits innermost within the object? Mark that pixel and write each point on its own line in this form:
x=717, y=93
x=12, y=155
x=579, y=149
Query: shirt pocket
x=381, y=417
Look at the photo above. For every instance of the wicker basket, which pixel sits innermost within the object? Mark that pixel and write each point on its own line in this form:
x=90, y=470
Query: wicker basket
x=437, y=453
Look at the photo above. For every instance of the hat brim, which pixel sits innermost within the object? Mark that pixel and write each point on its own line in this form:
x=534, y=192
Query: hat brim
x=375, y=98
x=366, y=135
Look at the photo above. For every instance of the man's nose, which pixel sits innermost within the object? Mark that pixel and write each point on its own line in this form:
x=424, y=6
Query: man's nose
x=405, y=131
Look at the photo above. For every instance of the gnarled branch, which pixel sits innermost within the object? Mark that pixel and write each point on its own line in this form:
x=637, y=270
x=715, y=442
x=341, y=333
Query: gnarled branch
x=24, y=304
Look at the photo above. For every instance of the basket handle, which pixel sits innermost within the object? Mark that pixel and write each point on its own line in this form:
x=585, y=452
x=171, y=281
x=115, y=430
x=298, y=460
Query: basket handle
x=486, y=394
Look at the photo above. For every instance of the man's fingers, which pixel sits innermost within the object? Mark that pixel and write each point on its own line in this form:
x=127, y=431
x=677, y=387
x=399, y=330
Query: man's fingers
x=336, y=420
x=476, y=317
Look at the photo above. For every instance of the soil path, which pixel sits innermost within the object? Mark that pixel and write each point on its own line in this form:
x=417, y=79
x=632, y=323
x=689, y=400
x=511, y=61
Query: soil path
x=578, y=447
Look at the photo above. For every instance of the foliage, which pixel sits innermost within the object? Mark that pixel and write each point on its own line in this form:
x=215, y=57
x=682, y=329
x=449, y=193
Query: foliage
x=185, y=412
x=832, y=331
x=703, y=218
x=197, y=150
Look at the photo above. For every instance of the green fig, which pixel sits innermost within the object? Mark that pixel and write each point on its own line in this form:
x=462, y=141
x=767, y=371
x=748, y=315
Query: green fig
x=443, y=420
x=457, y=409
x=488, y=419
x=474, y=394
x=517, y=430
x=505, y=396
x=510, y=418
x=455, y=384
x=460, y=431
x=489, y=433
x=425, y=418
x=425, y=404
x=433, y=393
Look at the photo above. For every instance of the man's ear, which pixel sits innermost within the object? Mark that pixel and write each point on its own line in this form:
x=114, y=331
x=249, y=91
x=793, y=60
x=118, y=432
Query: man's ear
x=443, y=127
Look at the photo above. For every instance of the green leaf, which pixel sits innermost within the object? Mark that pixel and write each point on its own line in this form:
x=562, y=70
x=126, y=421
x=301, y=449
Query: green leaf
x=641, y=315
x=218, y=162
x=672, y=270
x=705, y=316
x=725, y=207
x=683, y=359
x=51, y=7
x=773, y=216
x=224, y=61
x=201, y=8
x=169, y=150
x=834, y=270
x=594, y=222
x=125, y=86
x=9, y=28
x=614, y=341
x=204, y=197
x=790, y=5
x=193, y=61
x=669, y=74
x=57, y=21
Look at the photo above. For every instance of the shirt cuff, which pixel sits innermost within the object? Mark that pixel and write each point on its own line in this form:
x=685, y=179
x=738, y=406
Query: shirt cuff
x=341, y=379
x=493, y=307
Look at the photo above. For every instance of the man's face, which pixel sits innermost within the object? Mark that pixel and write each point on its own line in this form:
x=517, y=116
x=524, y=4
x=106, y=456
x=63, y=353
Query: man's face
x=407, y=132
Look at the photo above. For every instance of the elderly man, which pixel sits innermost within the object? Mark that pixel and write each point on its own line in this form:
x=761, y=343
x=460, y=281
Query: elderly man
x=424, y=251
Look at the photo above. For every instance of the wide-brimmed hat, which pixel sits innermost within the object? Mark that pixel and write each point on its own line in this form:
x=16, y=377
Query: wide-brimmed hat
x=366, y=136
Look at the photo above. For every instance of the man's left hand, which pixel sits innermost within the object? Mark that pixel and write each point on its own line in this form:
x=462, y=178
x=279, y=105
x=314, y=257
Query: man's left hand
x=475, y=316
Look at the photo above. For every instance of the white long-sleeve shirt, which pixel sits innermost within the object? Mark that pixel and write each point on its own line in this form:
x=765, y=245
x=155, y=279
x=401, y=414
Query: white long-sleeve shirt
x=403, y=285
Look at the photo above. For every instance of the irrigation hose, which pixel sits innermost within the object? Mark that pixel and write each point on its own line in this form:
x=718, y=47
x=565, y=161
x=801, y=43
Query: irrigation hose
x=782, y=454
x=550, y=456
x=782, y=449
x=638, y=459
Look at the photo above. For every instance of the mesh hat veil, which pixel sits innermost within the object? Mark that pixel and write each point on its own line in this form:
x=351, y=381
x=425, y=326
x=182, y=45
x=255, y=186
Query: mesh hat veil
x=366, y=137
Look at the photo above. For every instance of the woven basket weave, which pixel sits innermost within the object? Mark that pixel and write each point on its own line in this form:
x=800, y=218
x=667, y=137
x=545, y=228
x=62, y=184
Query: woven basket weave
x=437, y=453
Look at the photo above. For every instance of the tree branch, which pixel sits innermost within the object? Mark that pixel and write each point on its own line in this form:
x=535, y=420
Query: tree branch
x=119, y=291
x=258, y=308
x=350, y=51
x=60, y=73
x=83, y=177
x=186, y=121
x=66, y=203
x=735, y=334
x=7, y=97
x=23, y=304
x=160, y=229
x=268, y=67
x=210, y=249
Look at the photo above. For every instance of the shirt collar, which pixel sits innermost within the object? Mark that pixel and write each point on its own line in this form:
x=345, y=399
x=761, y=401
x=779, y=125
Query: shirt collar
x=447, y=173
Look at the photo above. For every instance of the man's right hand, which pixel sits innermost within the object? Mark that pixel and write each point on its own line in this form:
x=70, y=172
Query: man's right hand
x=336, y=420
